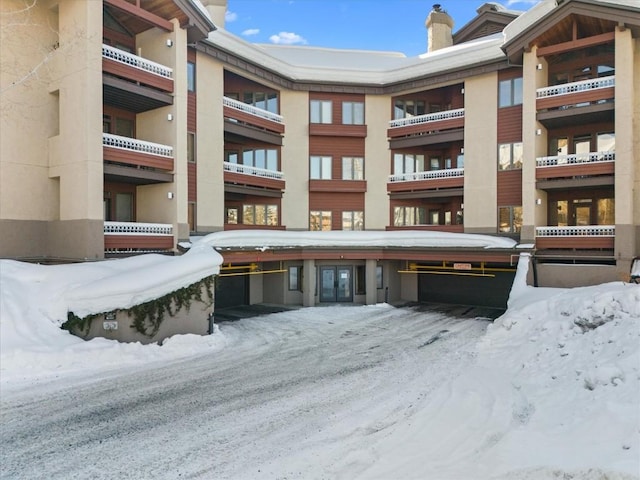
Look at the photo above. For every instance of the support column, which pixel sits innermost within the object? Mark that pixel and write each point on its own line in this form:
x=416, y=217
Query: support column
x=371, y=286
x=309, y=283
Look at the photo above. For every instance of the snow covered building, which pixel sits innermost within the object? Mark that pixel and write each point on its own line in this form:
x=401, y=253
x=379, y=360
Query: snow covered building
x=129, y=126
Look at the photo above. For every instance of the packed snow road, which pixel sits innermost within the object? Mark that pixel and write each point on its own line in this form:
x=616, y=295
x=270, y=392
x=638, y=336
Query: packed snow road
x=289, y=395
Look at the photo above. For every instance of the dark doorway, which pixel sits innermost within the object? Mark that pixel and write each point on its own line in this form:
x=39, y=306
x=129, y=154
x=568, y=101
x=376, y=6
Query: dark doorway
x=231, y=291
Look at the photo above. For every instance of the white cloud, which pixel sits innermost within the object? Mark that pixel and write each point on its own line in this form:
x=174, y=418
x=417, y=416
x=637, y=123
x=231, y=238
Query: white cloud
x=287, y=38
x=230, y=16
x=511, y=3
x=251, y=31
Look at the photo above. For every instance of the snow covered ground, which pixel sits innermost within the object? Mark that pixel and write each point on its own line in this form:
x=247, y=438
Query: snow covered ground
x=550, y=390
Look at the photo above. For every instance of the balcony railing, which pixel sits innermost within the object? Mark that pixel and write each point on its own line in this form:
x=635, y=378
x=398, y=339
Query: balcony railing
x=575, y=159
x=133, y=144
x=575, y=87
x=250, y=109
x=135, y=61
x=429, y=175
x=581, y=231
x=429, y=117
x=136, y=228
x=248, y=170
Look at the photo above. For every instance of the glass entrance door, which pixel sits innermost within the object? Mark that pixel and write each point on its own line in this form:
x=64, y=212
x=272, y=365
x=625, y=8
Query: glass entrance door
x=336, y=284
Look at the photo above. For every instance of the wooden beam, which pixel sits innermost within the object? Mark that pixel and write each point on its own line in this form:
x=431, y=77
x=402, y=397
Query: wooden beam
x=576, y=44
x=142, y=14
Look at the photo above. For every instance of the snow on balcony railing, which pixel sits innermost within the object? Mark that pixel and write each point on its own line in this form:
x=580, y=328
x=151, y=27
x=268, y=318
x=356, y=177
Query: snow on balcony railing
x=430, y=175
x=127, y=143
x=137, y=228
x=135, y=61
x=245, y=107
x=582, y=231
x=578, y=158
x=429, y=117
x=248, y=170
x=574, y=87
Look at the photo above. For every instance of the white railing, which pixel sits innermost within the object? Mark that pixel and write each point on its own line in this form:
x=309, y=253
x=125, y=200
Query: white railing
x=582, y=231
x=430, y=175
x=429, y=117
x=248, y=170
x=582, y=86
x=136, y=228
x=127, y=143
x=578, y=158
x=245, y=107
x=135, y=61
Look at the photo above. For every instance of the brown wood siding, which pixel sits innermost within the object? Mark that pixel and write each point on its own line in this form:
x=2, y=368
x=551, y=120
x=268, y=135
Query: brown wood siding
x=337, y=99
x=338, y=130
x=509, y=188
x=151, y=242
x=253, y=180
x=336, y=203
x=192, y=175
x=342, y=186
x=136, y=75
x=253, y=120
x=583, y=169
x=575, y=98
x=571, y=131
x=510, y=124
x=438, y=99
x=192, y=112
x=509, y=73
x=425, y=184
x=574, y=242
x=137, y=158
x=337, y=148
x=425, y=128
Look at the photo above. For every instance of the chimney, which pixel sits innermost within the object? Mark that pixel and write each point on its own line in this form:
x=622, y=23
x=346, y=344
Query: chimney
x=216, y=10
x=439, y=29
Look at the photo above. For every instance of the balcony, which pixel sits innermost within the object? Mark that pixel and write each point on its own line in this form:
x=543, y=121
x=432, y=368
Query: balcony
x=582, y=102
x=131, y=152
x=432, y=128
x=249, y=122
x=235, y=173
x=583, y=167
x=578, y=237
x=134, y=237
x=134, y=83
x=450, y=178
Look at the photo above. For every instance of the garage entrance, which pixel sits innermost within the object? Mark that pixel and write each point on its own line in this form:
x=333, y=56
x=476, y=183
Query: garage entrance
x=459, y=289
x=231, y=291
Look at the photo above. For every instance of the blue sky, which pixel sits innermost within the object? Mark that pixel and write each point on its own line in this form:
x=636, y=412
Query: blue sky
x=387, y=25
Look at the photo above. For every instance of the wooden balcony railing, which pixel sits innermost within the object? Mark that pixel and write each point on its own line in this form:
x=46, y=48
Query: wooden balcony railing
x=137, y=69
x=582, y=164
x=250, y=109
x=431, y=122
x=136, y=152
x=433, y=179
x=428, y=175
x=584, y=91
x=576, y=237
x=254, y=176
x=254, y=116
x=124, y=237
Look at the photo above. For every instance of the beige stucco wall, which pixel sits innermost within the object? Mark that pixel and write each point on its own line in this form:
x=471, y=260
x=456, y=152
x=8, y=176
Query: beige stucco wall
x=627, y=122
x=636, y=149
x=209, y=144
x=569, y=276
x=294, y=107
x=377, y=162
x=535, y=145
x=480, y=153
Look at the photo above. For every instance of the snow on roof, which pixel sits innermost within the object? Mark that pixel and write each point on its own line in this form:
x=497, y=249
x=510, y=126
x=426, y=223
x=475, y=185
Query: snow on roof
x=265, y=239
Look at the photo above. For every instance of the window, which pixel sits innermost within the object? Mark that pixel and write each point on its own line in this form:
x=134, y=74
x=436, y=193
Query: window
x=407, y=163
x=510, y=92
x=319, y=220
x=352, y=168
x=320, y=168
x=379, y=283
x=509, y=219
x=606, y=211
x=125, y=127
x=361, y=280
x=408, y=108
x=510, y=156
x=606, y=142
x=434, y=163
x=353, y=220
x=353, y=113
x=261, y=158
x=191, y=76
x=260, y=215
x=232, y=215
x=191, y=147
x=321, y=111
x=434, y=217
x=265, y=101
x=191, y=216
x=295, y=278
x=407, y=216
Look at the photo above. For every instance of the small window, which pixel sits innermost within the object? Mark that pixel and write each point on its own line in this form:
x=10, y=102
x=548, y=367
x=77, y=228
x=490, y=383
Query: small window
x=295, y=279
x=379, y=277
x=191, y=76
x=320, y=168
x=192, y=216
x=319, y=220
x=510, y=219
x=353, y=220
x=352, y=168
x=321, y=111
x=191, y=147
x=232, y=215
x=510, y=92
x=510, y=156
x=353, y=113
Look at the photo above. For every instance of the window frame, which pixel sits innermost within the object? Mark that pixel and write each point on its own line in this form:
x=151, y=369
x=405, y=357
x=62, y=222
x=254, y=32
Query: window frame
x=354, y=112
x=354, y=222
x=352, y=163
x=513, y=227
x=191, y=77
x=321, y=214
x=515, y=161
x=511, y=88
x=324, y=167
x=319, y=110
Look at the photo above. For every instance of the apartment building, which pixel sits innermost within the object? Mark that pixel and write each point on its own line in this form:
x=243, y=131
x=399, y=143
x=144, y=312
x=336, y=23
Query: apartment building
x=516, y=125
